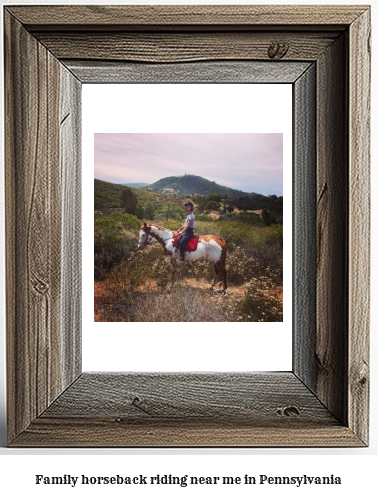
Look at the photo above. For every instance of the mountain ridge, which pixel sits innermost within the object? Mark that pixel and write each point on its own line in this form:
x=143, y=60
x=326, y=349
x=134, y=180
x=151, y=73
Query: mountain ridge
x=135, y=184
x=191, y=185
x=108, y=196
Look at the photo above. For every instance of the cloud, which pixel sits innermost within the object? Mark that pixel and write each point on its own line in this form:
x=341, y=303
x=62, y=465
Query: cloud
x=250, y=162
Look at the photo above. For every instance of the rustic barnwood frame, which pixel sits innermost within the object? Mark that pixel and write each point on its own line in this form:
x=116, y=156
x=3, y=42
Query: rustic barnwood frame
x=49, y=52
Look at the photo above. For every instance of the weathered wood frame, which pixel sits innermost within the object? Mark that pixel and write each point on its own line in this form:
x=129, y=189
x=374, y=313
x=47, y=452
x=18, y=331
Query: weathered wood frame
x=324, y=400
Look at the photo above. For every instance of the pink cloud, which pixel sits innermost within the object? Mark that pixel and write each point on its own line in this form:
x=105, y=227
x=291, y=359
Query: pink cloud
x=250, y=162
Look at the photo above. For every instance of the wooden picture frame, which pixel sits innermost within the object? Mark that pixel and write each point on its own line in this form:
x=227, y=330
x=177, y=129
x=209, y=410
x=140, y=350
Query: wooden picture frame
x=49, y=52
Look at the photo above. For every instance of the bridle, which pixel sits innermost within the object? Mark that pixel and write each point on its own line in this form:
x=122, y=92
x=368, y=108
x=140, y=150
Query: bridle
x=146, y=242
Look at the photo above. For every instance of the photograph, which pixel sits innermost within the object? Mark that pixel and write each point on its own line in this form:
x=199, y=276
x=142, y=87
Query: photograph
x=188, y=227
x=138, y=129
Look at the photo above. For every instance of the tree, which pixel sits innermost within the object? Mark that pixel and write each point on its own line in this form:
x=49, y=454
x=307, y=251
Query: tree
x=265, y=215
x=140, y=212
x=207, y=203
x=129, y=201
x=170, y=211
x=149, y=211
x=215, y=197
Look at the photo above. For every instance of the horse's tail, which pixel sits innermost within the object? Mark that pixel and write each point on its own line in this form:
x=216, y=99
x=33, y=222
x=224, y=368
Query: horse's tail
x=224, y=238
x=223, y=262
x=224, y=241
x=224, y=249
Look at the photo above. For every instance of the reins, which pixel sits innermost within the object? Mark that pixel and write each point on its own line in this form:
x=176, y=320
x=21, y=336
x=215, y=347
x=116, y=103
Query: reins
x=148, y=242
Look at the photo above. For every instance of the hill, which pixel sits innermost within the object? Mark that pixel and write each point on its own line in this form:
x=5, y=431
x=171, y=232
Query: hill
x=107, y=197
x=136, y=184
x=191, y=185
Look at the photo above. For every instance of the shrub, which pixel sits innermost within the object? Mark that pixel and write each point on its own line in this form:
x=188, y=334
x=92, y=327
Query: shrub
x=180, y=304
x=140, y=280
x=139, y=269
x=170, y=211
x=203, y=218
x=261, y=301
x=115, y=235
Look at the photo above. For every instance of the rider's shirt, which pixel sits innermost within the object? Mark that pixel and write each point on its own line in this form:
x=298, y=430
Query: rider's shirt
x=190, y=218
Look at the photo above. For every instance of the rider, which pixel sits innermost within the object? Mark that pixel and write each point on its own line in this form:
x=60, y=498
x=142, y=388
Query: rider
x=187, y=230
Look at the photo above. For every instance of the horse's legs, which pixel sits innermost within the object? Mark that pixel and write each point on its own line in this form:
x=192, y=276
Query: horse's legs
x=222, y=268
x=216, y=276
x=222, y=271
x=224, y=275
x=173, y=271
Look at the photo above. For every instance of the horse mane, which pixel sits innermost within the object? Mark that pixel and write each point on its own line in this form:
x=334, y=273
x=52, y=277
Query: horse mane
x=161, y=228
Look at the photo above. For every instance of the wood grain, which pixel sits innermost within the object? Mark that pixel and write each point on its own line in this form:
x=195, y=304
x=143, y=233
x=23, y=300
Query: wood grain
x=243, y=397
x=359, y=226
x=304, y=227
x=173, y=16
x=199, y=72
x=31, y=189
x=197, y=409
x=70, y=160
x=34, y=240
x=99, y=432
x=332, y=232
x=180, y=47
x=324, y=402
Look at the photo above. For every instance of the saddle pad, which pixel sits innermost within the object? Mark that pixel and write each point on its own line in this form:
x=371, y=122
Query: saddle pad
x=191, y=246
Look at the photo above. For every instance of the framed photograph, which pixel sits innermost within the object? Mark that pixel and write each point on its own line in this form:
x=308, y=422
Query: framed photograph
x=323, y=52
x=228, y=226
x=217, y=157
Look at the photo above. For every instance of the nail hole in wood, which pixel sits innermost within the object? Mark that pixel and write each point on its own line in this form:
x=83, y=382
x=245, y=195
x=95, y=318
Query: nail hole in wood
x=41, y=287
x=277, y=50
x=136, y=400
x=289, y=411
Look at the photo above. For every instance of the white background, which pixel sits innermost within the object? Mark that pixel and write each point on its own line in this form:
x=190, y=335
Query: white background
x=176, y=108
x=357, y=467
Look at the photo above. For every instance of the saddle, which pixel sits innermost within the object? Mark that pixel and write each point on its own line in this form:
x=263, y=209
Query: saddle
x=191, y=246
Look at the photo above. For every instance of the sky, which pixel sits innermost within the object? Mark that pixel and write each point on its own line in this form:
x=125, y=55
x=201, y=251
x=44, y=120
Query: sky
x=250, y=162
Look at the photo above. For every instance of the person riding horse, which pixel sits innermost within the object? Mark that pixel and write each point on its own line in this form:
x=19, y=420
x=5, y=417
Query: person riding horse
x=208, y=246
x=187, y=230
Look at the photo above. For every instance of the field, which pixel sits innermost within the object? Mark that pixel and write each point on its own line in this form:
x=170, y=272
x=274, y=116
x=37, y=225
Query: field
x=133, y=285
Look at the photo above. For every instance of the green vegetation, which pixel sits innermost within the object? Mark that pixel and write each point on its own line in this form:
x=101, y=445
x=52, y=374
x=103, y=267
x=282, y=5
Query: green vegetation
x=129, y=201
x=208, y=203
x=108, y=197
x=128, y=281
x=254, y=201
x=115, y=236
x=190, y=185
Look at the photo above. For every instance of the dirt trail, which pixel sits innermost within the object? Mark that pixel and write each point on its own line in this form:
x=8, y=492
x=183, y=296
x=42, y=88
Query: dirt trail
x=100, y=290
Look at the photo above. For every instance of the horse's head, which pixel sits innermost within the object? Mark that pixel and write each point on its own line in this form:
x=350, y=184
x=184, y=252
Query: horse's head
x=144, y=236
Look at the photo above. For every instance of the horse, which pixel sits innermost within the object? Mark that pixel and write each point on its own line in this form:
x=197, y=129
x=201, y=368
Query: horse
x=210, y=246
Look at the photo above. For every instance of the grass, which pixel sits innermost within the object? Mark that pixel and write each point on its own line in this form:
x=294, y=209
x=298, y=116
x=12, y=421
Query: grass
x=187, y=301
x=141, y=281
x=180, y=303
x=107, y=197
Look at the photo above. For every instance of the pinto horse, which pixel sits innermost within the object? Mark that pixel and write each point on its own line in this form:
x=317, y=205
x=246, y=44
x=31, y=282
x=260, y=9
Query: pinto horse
x=210, y=246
